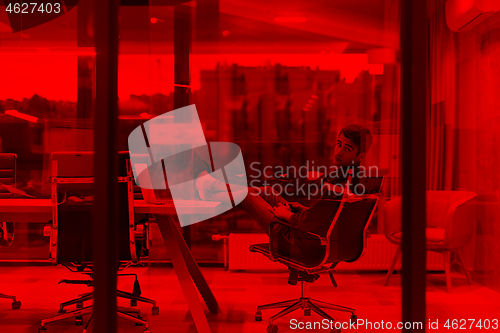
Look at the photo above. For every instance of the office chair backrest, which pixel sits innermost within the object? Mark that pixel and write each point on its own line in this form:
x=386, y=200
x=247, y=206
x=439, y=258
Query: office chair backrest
x=343, y=236
x=74, y=220
x=7, y=177
x=347, y=238
x=350, y=217
x=7, y=173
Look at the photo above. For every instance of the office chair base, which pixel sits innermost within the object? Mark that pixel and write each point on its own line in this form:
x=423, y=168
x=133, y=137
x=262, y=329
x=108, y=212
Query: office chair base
x=77, y=301
x=305, y=303
x=274, y=329
x=77, y=314
x=16, y=305
x=155, y=310
x=133, y=315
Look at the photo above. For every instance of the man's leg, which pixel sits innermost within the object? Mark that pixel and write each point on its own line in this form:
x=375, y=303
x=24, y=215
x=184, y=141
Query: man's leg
x=268, y=194
x=212, y=189
x=258, y=204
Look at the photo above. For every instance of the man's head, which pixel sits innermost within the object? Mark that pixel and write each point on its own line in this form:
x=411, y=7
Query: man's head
x=352, y=144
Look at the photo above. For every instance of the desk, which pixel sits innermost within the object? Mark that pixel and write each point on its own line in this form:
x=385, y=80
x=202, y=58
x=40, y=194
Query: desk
x=188, y=273
x=40, y=210
x=26, y=210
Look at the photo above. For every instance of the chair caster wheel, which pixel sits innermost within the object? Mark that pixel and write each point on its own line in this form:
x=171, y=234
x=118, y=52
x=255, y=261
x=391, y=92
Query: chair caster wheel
x=258, y=316
x=42, y=329
x=354, y=319
x=79, y=305
x=79, y=320
x=16, y=305
x=155, y=310
x=307, y=312
x=272, y=328
x=61, y=311
x=133, y=302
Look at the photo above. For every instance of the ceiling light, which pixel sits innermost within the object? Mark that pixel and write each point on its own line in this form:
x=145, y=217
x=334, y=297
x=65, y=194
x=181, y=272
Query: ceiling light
x=17, y=114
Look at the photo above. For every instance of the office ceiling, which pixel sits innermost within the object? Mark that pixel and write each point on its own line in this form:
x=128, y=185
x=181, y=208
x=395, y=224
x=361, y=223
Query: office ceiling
x=246, y=26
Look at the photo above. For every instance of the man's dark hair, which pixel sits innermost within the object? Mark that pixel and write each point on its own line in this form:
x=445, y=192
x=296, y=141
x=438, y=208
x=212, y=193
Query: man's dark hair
x=359, y=135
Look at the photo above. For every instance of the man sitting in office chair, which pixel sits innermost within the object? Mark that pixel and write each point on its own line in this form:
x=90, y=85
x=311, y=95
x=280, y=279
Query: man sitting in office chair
x=264, y=205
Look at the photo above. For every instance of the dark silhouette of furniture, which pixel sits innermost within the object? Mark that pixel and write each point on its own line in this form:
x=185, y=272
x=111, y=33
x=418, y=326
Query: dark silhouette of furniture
x=451, y=221
x=71, y=235
x=7, y=177
x=7, y=173
x=343, y=239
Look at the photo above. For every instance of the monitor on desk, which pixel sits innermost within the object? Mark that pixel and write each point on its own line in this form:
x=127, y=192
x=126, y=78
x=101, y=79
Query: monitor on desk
x=149, y=193
x=74, y=164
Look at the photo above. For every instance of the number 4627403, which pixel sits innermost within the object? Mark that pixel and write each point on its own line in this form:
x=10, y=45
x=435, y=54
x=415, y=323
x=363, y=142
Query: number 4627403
x=33, y=8
x=467, y=324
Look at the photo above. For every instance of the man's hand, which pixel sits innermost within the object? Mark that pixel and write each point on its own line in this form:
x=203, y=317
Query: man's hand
x=297, y=207
x=282, y=212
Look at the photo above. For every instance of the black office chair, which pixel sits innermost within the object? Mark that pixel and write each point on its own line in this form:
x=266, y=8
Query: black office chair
x=8, y=177
x=341, y=240
x=71, y=236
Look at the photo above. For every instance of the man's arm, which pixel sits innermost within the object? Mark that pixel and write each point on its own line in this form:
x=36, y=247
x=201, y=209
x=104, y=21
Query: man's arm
x=283, y=212
x=296, y=207
x=296, y=220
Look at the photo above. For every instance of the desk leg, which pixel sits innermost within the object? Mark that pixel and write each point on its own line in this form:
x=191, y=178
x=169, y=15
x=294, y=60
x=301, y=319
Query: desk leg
x=168, y=231
x=196, y=274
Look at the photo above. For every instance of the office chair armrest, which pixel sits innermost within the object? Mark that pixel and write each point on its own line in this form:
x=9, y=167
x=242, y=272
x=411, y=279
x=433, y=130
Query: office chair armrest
x=47, y=229
x=322, y=239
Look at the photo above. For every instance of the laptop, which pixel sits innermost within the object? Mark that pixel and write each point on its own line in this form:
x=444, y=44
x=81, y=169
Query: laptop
x=149, y=193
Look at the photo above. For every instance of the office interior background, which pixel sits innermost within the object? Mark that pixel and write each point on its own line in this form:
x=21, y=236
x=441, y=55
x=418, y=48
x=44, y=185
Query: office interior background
x=280, y=79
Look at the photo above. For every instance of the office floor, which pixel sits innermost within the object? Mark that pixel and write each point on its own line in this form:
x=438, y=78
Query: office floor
x=238, y=294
